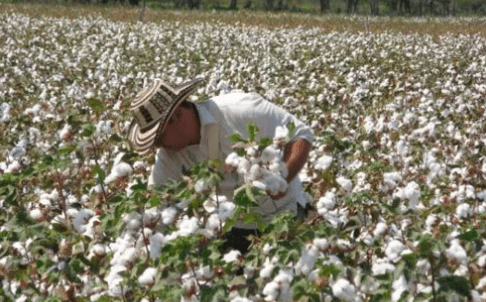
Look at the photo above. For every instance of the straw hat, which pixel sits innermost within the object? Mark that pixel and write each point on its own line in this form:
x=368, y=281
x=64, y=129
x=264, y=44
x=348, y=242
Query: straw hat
x=152, y=108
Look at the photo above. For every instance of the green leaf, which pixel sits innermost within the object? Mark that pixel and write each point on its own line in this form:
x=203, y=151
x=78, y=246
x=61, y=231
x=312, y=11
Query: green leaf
x=252, y=131
x=155, y=201
x=264, y=142
x=250, y=218
x=101, y=174
x=88, y=129
x=67, y=150
x=96, y=105
x=213, y=294
x=469, y=235
x=455, y=283
x=291, y=127
x=236, y=137
x=301, y=288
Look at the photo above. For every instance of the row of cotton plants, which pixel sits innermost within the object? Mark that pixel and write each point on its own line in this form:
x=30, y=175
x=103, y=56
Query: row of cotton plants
x=396, y=173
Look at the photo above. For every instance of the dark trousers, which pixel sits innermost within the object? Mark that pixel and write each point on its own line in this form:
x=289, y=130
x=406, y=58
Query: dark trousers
x=235, y=239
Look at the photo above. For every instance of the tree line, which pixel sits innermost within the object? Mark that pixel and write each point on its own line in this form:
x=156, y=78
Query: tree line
x=374, y=7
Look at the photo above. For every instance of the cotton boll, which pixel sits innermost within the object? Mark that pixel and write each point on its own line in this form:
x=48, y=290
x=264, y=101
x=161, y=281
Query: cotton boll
x=321, y=243
x=380, y=229
x=411, y=193
x=98, y=250
x=233, y=159
x=457, y=252
x=381, y=267
x=231, y=256
x=65, y=132
x=269, y=154
x=200, y=186
x=226, y=210
x=168, y=215
x=345, y=183
x=82, y=218
x=119, y=170
x=399, y=286
x=323, y=162
x=156, y=242
x=148, y=277
x=267, y=269
x=267, y=248
x=271, y=291
x=255, y=173
x=210, y=205
x=188, y=226
x=394, y=249
x=344, y=290
x=463, y=210
x=307, y=261
x=128, y=256
x=325, y=203
x=244, y=166
x=36, y=214
x=281, y=133
x=259, y=185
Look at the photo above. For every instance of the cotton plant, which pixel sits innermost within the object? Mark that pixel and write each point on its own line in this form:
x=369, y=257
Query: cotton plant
x=259, y=165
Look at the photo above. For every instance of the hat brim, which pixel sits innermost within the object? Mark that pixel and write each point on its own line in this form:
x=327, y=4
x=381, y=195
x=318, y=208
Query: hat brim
x=142, y=140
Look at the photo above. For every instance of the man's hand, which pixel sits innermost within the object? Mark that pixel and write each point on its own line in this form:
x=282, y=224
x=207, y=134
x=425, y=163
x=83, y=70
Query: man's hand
x=277, y=196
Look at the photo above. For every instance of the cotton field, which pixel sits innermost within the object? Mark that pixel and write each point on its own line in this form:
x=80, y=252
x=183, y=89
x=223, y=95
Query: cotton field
x=396, y=175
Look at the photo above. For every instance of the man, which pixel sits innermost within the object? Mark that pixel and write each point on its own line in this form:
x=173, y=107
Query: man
x=185, y=133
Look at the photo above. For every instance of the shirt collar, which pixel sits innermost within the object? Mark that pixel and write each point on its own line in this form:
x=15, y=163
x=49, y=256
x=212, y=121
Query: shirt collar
x=205, y=117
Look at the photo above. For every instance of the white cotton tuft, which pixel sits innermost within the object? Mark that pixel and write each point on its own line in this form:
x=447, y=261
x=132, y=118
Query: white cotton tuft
x=156, y=242
x=344, y=290
x=188, y=226
x=345, y=183
x=269, y=154
x=64, y=133
x=394, y=249
x=379, y=229
x=381, y=267
x=200, y=186
x=168, y=215
x=457, y=252
x=399, y=286
x=411, y=193
x=321, y=243
x=119, y=170
x=36, y=214
x=325, y=203
x=147, y=277
x=463, y=210
x=231, y=256
x=281, y=133
x=323, y=162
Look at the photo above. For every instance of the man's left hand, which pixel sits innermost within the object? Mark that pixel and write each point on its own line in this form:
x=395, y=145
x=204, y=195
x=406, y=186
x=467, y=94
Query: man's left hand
x=277, y=196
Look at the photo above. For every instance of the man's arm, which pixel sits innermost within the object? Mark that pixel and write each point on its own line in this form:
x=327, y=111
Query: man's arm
x=295, y=156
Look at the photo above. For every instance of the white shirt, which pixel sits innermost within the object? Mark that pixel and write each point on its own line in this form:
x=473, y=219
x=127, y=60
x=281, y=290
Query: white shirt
x=233, y=112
